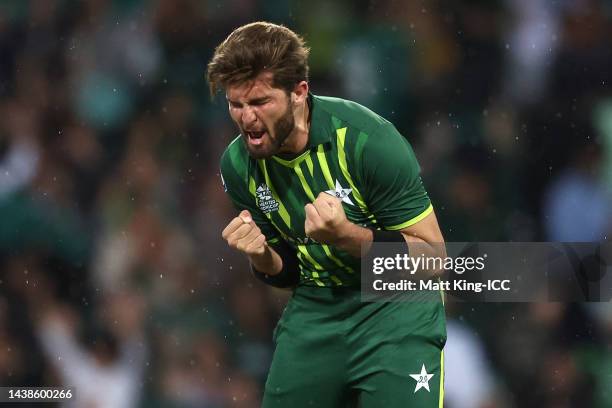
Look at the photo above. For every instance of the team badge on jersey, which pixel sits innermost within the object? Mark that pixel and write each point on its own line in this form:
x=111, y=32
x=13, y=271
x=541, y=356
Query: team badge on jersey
x=341, y=193
x=265, y=200
x=422, y=379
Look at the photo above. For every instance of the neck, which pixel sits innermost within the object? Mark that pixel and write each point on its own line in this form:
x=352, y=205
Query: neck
x=298, y=139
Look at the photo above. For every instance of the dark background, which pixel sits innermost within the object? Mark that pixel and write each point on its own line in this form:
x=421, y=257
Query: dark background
x=111, y=205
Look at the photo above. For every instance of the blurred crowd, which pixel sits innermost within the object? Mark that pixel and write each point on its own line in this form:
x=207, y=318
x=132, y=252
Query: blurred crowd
x=113, y=274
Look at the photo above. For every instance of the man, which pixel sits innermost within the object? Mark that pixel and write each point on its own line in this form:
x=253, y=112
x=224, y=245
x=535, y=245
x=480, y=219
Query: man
x=314, y=179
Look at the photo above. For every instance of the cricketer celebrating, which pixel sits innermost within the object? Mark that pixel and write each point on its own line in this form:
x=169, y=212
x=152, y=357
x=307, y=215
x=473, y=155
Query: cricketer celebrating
x=314, y=179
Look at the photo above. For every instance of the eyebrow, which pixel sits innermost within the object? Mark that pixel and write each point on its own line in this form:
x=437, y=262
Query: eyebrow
x=251, y=101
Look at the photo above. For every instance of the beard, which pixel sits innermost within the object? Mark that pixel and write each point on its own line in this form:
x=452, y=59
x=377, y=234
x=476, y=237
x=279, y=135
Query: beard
x=282, y=128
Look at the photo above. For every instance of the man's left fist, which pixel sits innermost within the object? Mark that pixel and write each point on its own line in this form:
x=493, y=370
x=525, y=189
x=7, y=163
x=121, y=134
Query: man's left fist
x=325, y=219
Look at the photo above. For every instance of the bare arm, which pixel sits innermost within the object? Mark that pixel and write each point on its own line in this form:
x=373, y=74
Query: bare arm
x=327, y=223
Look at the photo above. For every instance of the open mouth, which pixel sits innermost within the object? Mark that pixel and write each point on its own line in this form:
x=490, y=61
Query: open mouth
x=255, y=137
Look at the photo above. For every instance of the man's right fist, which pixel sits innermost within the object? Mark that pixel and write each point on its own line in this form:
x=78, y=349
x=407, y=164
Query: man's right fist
x=243, y=234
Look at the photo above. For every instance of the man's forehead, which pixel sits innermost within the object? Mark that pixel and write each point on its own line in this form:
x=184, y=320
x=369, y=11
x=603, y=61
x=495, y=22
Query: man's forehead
x=255, y=88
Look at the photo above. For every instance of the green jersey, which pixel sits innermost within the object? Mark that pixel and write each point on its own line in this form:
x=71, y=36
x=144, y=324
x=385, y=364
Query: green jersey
x=352, y=153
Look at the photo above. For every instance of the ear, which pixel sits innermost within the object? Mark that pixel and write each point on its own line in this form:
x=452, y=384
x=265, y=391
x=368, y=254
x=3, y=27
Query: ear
x=300, y=93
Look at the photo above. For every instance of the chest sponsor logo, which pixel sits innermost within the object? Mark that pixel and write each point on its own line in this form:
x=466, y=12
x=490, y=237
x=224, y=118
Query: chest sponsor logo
x=266, y=202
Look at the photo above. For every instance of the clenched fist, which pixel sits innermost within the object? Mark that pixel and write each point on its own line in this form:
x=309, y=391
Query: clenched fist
x=243, y=234
x=325, y=219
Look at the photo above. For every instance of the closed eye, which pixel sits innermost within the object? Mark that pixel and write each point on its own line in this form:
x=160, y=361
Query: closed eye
x=252, y=102
x=259, y=101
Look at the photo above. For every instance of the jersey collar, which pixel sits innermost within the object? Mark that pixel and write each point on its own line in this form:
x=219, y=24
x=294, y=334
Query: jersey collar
x=320, y=131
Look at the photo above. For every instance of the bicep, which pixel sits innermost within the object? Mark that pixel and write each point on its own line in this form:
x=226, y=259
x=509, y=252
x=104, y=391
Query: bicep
x=424, y=238
x=426, y=230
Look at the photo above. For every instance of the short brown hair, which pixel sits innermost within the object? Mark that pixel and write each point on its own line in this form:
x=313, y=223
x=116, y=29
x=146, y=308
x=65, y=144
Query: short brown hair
x=257, y=47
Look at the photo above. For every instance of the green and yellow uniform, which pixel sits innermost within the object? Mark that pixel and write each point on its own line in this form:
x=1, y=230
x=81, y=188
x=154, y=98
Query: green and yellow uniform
x=332, y=350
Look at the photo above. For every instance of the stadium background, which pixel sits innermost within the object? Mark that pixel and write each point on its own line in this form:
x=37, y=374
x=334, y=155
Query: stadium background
x=111, y=205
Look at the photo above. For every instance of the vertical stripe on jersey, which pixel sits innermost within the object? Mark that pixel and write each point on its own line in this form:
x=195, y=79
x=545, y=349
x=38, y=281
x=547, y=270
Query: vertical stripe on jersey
x=310, y=165
x=252, y=186
x=305, y=186
x=325, y=167
x=361, y=140
x=341, y=136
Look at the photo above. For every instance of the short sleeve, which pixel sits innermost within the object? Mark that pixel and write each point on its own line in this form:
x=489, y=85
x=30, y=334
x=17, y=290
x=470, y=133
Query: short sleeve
x=237, y=188
x=394, y=191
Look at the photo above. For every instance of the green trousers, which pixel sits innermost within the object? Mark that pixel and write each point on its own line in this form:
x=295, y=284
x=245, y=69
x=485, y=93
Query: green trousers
x=332, y=350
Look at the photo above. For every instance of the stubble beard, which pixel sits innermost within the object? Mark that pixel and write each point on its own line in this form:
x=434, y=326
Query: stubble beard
x=282, y=129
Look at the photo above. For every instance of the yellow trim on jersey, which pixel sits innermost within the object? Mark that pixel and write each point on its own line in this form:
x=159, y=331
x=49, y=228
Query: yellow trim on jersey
x=412, y=221
x=293, y=162
x=441, y=401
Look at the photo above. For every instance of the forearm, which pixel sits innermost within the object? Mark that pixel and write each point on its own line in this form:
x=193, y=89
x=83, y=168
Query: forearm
x=352, y=237
x=269, y=262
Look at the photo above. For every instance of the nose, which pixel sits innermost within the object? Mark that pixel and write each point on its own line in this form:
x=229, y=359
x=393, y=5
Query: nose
x=248, y=116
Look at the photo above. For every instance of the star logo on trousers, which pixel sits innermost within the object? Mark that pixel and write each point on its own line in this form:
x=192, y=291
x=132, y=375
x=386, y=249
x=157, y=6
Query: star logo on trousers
x=341, y=193
x=422, y=379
